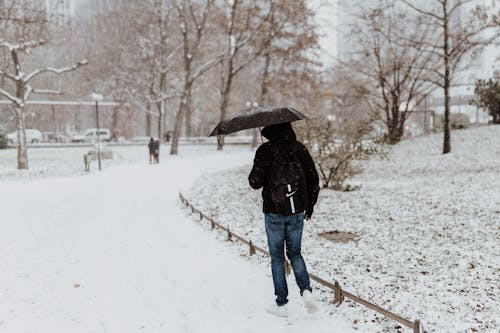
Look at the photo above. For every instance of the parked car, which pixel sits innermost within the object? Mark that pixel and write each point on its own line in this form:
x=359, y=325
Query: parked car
x=90, y=135
x=32, y=136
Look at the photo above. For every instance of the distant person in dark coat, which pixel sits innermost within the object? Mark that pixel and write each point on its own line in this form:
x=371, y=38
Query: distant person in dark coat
x=152, y=148
x=157, y=151
x=285, y=170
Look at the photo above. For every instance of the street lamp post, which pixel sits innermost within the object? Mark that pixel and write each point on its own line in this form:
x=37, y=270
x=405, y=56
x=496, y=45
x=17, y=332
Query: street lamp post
x=96, y=98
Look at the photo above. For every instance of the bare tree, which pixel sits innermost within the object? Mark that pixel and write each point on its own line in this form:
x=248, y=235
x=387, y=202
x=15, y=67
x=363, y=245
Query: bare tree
x=390, y=58
x=26, y=23
x=23, y=90
x=243, y=34
x=461, y=35
x=288, y=68
x=192, y=21
x=337, y=152
x=161, y=50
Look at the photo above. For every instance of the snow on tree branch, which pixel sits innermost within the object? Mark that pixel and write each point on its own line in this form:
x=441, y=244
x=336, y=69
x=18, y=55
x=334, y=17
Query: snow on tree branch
x=8, y=75
x=21, y=46
x=208, y=65
x=47, y=92
x=30, y=90
x=57, y=71
x=13, y=99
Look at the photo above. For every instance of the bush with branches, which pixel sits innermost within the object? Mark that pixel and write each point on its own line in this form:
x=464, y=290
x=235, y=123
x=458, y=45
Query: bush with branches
x=337, y=152
x=488, y=97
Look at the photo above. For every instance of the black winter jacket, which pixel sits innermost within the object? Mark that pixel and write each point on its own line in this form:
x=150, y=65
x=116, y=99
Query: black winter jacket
x=152, y=146
x=282, y=139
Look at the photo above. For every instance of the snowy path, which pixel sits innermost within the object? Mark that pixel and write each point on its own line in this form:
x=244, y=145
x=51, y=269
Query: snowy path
x=112, y=252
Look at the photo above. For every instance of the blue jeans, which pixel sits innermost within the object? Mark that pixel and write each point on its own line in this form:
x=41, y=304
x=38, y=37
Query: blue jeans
x=287, y=230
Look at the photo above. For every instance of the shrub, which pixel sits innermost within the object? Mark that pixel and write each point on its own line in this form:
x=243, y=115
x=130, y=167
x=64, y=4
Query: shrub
x=488, y=97
x=337, y=152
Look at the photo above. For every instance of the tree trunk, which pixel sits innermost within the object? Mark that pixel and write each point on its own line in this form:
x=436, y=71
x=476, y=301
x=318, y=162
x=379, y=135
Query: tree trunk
x=148, y=122
x=54, y=120
x=255, y=137
x=225, y=102
x=22, y=147
x=161, y=104
x=447, y=127
x=164, y=123
x=263, y=94
x=184, y=103
x=446, y=87
x=395, y=125
x=160, y=119
x=188, y=117
x=130, y=114
x=115, y=119
x=177, y=128
x=188, y=121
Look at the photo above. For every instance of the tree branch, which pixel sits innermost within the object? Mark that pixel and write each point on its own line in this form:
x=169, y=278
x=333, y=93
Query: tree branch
x=8, y=75
x=421, y=11
x=11, y=98
x=20, y=46
x=57, y=71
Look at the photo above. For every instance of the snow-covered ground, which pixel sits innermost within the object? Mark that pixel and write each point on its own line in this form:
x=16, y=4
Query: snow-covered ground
x=112, y=251
x=59, y=161
x=429, y=227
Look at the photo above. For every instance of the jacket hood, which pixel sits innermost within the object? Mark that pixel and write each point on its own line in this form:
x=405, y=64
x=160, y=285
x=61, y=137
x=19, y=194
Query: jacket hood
x=279, y=133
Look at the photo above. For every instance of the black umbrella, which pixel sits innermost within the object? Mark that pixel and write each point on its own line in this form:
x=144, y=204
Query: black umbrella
x=258, y=118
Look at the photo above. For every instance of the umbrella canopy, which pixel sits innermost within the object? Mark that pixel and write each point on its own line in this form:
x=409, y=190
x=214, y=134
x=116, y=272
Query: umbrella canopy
x=258, y=118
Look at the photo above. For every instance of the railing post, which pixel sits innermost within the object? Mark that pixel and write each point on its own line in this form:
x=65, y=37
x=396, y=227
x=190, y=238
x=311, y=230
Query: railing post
x=252, y=248
x=417, y=327
x=338, y=298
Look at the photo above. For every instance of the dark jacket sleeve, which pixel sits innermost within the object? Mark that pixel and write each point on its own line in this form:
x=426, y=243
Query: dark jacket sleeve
x=311, y=176
x=258, y=175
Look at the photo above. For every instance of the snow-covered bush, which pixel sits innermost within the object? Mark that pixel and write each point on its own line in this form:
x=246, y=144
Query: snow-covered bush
x=337, y=152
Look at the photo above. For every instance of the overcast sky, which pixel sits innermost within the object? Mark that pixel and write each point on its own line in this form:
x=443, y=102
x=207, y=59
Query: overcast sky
x=326, y=18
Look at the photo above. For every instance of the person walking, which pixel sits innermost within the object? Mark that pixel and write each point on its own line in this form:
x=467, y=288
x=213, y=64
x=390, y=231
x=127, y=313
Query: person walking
x=286, y=172
x=152, y=148
x=157, y=151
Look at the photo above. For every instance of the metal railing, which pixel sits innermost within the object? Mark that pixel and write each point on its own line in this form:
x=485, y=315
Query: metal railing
x=339, y=294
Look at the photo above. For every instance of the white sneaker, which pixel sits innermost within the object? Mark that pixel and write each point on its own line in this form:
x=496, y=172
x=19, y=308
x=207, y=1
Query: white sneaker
x=309, y=302
x=280, y=311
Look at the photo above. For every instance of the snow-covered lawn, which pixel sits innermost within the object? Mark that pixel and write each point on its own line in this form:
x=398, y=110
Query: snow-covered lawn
x=429, y=226
x=113, y=252
x=59, y=161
